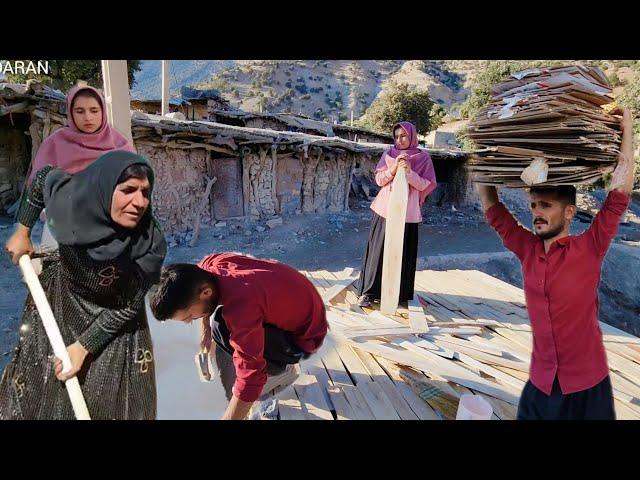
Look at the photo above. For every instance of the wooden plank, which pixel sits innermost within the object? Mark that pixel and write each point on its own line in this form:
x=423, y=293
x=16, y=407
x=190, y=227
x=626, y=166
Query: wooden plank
x=497, y=374
x=436, y=381
x=416, y=344
x=624, y=351
x=395, y=397
x=358, y=403
x=623, y=412
x=380, y=377
x=479, y=345
x=421, y=408
x=320, y=280
x=514, y=373
x=512, y=348
x=440, y=300
x=377, y=332
x=627, y=367
x=352, y=299
x=289, y=405
x=394, y=243
x=369, y=361
x=314, y=366
x=354, y=365
x=344, y=410
x=378, y=401
x=465, y=299
x=335, y=368
x=620, y=382
x=484, y=357
x=321, y=288
x=492, y=345
x=365, y=321
x=437, y=393
x=340, y=285
x=311, y=397
x=484, y=289
x=516, y=337
x=454, y=331
x=446, y=369
x=417, y=317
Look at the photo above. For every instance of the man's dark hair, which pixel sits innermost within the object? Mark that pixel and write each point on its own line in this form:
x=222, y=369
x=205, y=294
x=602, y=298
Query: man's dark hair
x=179, y=285
x=564, y=193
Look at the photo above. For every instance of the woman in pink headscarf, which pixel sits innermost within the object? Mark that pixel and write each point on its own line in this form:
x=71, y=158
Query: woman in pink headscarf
x=73, y=148
x=422, y=181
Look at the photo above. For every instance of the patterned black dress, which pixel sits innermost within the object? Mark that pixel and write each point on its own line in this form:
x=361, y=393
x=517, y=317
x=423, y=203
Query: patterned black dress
x=99, y=304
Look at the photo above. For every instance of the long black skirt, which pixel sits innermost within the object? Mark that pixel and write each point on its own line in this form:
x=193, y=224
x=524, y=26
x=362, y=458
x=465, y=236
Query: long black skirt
x=370, y=281
x=595, y=403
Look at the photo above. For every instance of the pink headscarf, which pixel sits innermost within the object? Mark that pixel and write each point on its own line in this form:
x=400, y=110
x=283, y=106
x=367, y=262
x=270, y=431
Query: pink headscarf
x=71, y=149
x=419, y=159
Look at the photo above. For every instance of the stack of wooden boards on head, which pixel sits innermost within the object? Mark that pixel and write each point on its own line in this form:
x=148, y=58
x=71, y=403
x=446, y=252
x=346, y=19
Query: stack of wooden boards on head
x=555, y=114
x=466, y=332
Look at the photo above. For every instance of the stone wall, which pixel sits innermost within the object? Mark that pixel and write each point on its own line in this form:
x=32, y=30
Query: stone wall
x=181, y=180
x=20, y=138
x=259, y=184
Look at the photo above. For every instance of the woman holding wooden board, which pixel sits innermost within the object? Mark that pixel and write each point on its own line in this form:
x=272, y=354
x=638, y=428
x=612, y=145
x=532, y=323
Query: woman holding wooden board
x=111, y=252
x=422, y=181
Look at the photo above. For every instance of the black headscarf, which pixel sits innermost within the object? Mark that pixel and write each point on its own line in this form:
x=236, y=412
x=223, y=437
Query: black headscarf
x=79, y=214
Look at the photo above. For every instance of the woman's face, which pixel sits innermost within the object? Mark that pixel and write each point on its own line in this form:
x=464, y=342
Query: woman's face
x=401, y=138
x=87, y=114
x=130, y=202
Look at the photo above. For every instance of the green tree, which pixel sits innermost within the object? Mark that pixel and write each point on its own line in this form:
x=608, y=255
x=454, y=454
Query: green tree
x=483, y=82
x=630, y=96
x=399, y=103
x=65, y=73
x=615, y=80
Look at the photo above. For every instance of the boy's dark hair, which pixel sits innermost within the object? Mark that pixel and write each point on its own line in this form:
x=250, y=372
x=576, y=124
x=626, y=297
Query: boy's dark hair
x=565, y=193
x=179, y=285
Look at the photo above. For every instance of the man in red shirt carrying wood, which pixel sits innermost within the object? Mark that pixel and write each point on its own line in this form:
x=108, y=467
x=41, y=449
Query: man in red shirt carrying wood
x=263, y=315
x=569, y=376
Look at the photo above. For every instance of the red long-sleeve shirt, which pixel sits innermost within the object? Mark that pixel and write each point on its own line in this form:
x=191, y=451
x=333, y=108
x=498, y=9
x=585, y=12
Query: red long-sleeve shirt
x=561, y=292
x=254, y=292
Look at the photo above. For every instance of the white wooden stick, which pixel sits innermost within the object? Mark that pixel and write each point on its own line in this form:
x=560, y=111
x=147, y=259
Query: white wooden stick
x=55, y=338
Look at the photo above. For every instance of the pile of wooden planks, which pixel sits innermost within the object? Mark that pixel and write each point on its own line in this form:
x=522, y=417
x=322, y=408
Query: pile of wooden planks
x=552, y=114
x=465, y=332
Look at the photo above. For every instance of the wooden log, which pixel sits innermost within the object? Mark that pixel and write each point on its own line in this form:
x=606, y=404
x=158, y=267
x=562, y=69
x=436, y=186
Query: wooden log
x=206, y=197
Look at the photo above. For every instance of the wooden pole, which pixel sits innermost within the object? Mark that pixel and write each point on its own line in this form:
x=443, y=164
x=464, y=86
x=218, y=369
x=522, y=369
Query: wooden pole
x=165, y=87
x=116, y=93
x=55, y=338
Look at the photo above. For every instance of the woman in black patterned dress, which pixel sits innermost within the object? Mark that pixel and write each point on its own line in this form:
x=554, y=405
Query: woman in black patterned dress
x=110, y=253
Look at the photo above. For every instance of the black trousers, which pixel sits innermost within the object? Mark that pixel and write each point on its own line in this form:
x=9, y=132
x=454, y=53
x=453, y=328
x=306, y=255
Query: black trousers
x=279, y=351
x=370, y=282
x=595, y=403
